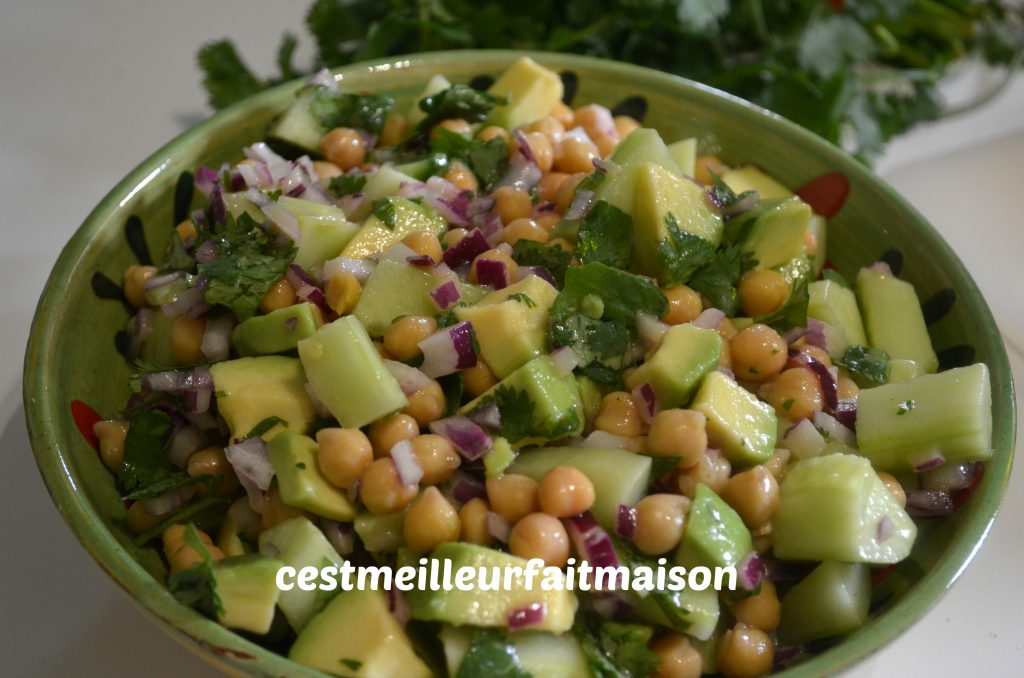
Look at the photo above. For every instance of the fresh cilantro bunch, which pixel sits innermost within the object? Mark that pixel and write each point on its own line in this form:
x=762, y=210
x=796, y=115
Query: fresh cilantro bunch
x=858, y=71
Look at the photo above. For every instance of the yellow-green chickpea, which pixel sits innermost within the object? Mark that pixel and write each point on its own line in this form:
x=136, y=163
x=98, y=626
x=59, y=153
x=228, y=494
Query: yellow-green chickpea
x=745, y=652
x=795, y=393
x=760, y=610
x=387, y=432
x=567, y=191
x=478, y=379
x=430, y=522
x=575, y=155
x=111, y=434
x=436, y=457
x=426, y=404
x=847, y=388
x=705, y=165
x=325, y=171
x=512, y=496
x=711, y=469
x=625, y=124
x=594, y=119
x=660, y=521
x=549, y=184
x=761, y=292
x=894, y=487
x=134, y=285
x=382, y=491
x=542, y=149
x=345, y=147
x=403, y=336
x=343, y=291
x=565, y=491
x=564, y=115
x=453, y=236
x=678, y=433
x=280, y=295
x=493, y=255
x=461, y=176
x=211, y=461
x=425, y=244
x=754, y=494
x=139, y=521
x=525, y=229
x=777, y=462
x=492, y=132
x=473, y=516
x=455, y=125
x=619, y=415
x=758, y=353
x=539, y=535
x=187, y=339
x=186, y=231
x=683, y=305
x=343, y=455
x=396, y=128
x=276, y=511
x=512, y=203
x=677, y=657
x=551, y=127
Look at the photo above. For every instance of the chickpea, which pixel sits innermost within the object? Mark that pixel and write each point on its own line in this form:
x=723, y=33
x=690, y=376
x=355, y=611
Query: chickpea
x=276, y=511
x=894, y=487
x=403, y=336
x=436, y=457
x=619, y=415
x=512, y=203
x=762, y=292
x=396, y=128
x=425, y=244
x=758, y=353
x=725, y=357
x=815, y=352
x=493, y=255
x=453, y=235
x=134, y=285
x=754, y=494
x=542, y=149
x=426, y=404
x=387, y=432
x=540, y=535
x=491, y=132
x=477, y=379
x=325, y=171
x=430, y=522
x=705, y=165
x=760, y=610
x=576, y=154
x=228, y=540
x=595, y=120
x=182, y=555
x=605, y=144
x=139, y=521
x=810, y=243
x=382, y=352
x=525, y=229
x=343, y=291
x=211, y=461
x=551, y=127
x=678, y=659
x=343, y=455
x=280, y=295
x=549, y=184
x=461, y=176
x=564, y=115
x=745, y=652
x=512, y=496
x=187, y=339
x=473, y=517
x=547, y=220
x=382, y=491
x=726, y=329
x=795, y=394
x=345, y=147
x=681, y=433
x=111, y=434
x=454, y=125
x=660, y=520
x=848, y=389
x=625, y=124
x=683, y=305
x=567, y=191
x=187, y=232
x=711, y=469
x=565, y=491
x=777, y=462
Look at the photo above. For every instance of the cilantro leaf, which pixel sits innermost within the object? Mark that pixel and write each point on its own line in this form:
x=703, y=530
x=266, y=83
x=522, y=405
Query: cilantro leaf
x=605, y=236
x=682, y=254
x=616, y=650
x=225, y=76
x=265, y=425
x=723, y=196
x=452, y=385
x=145, y=461
x=488, y=160
x=384, y=209
x=867, y=366
x=491, y=655
x=173, y=482
x=591, y=340
x=792, y=314
x=518, y=417
x=717, y=279
x=207, y=503
x=624, y=294
x=347, y=184
x=196, y=586
x=523, y=299
x=345, y=109
x=458, y=101
x=553, y=258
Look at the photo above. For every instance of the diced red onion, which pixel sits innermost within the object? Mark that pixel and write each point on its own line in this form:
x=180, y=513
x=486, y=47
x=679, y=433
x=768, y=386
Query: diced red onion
x=400, y=253
x=420, y=261
x=216, y=209
x=205, y=179
x=492, y=272
x=580, y=206
x=625, y=522
x=142, y=325
x=521, y=174
x=479, y=207
x=297, y=277
x=524, y=146
x=885, y=530
x=646, y=402
x=846, y=413
x=198, y=401
x=605, y=440
x=409, y=470
x=823, y=335
x=352, y=204
x=445, y=295
x=190, y=303
x=929, y=503
x=169, y=501
x=204, y=421
x=803, y=440
x=747, y=202
x=751, y=571
x=161, y=280
x=278, y=166
x=216, y=344
x=591, y=542
x=448, y=350
x=829, y=388
x=793, y=335
x=409, y=379
x=341, y=535
x=255, y=175
x=881, y=267
x=580, y=133
x=928, y=460
x=498, y=527
x=524, y=272
x=467, y=488
x=650, y=328
x=835, y=430
x=184, y=442
x=525, y=617
x=565, y=360
x=250, y=460
x=468, y=439
x=709, y=319
x=360, y=268
x=282, y=218
x=488, y=416
x=466, y=250
x=177, y=381
x=952, y=476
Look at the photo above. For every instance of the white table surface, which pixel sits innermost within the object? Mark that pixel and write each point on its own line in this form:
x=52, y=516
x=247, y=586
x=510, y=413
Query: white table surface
x=89, y=89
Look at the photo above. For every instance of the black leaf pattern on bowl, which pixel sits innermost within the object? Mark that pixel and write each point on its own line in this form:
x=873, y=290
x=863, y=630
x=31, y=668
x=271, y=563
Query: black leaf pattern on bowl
x=136, y=237
x=894, y=258
x=938, y=305
x=570, y=83
x=182, y=197
x=634, y=106
x=961, y=355
x=481, y=82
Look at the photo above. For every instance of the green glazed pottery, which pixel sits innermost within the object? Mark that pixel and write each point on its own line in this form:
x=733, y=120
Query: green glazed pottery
x=71, y=353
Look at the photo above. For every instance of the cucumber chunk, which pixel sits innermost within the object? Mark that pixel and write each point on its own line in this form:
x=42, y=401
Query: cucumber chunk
x=751, y=178
x=715, y=534
x=247, y=588
x=541, y=655
x=684, y=152
x=833, y=599
x=277, y=331
x=835, y=305
x=893, y=319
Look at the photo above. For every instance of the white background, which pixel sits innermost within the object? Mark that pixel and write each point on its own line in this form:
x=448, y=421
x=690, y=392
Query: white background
x=89, y=89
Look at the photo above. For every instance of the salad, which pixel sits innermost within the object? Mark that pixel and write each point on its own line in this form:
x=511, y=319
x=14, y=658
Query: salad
x=486, y=328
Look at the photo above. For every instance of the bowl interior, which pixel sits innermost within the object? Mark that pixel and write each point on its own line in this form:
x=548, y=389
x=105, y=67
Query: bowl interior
x=72, y=355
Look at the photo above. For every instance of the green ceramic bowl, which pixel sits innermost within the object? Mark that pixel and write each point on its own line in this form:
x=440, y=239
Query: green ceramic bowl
x=71, y=354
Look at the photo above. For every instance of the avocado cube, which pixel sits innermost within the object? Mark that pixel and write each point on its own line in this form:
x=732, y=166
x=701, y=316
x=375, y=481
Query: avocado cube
x=324, y=231
x=381, y=532
x=835, y=305
x=900, y=425
x=696, y=612
x=752, y=178
x=347, y=374
x=487, y=608
x=893, y=319
x=659, y=194
x=686, y=354
x=247, y=588
x=511, y=324
x=300, y=481
x=739, y=424
x=777, y=234
x=250, y=390
x=833, y=599
x=715, y=535
x=298, y=543
x=531, y=90
x=357, y=636
x=836, y=507
x=644, y=144
x=499, y=458
x=277, y=331
x=374, y=236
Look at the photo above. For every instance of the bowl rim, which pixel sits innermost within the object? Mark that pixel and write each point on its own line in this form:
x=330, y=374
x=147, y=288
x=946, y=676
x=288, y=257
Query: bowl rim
x=213, y=640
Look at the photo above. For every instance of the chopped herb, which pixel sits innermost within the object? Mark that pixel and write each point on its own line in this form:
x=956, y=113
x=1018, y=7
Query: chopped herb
x=173, y=482
x=488, y=160
x=353, y=664
x=623, y=293
x=301, y=466
x=661, y=466
x=553, y=258
x=347, y=184
x=867, y=366
x=344, y=109
x=491, y=655
x=384, y=209
x=605, y=236
x=145, y=462
x=196, y=586
x=752, y=370
x=717, y=279
x=458, y=101
x=682, y=254
x=452, y=385
x=904, y=407
x=835, y=276
x=616, y=650
x=523, y=299
x=193, y=509
x=723, y=196
x=787, y=403
x=517, y=417
x=265, y=425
